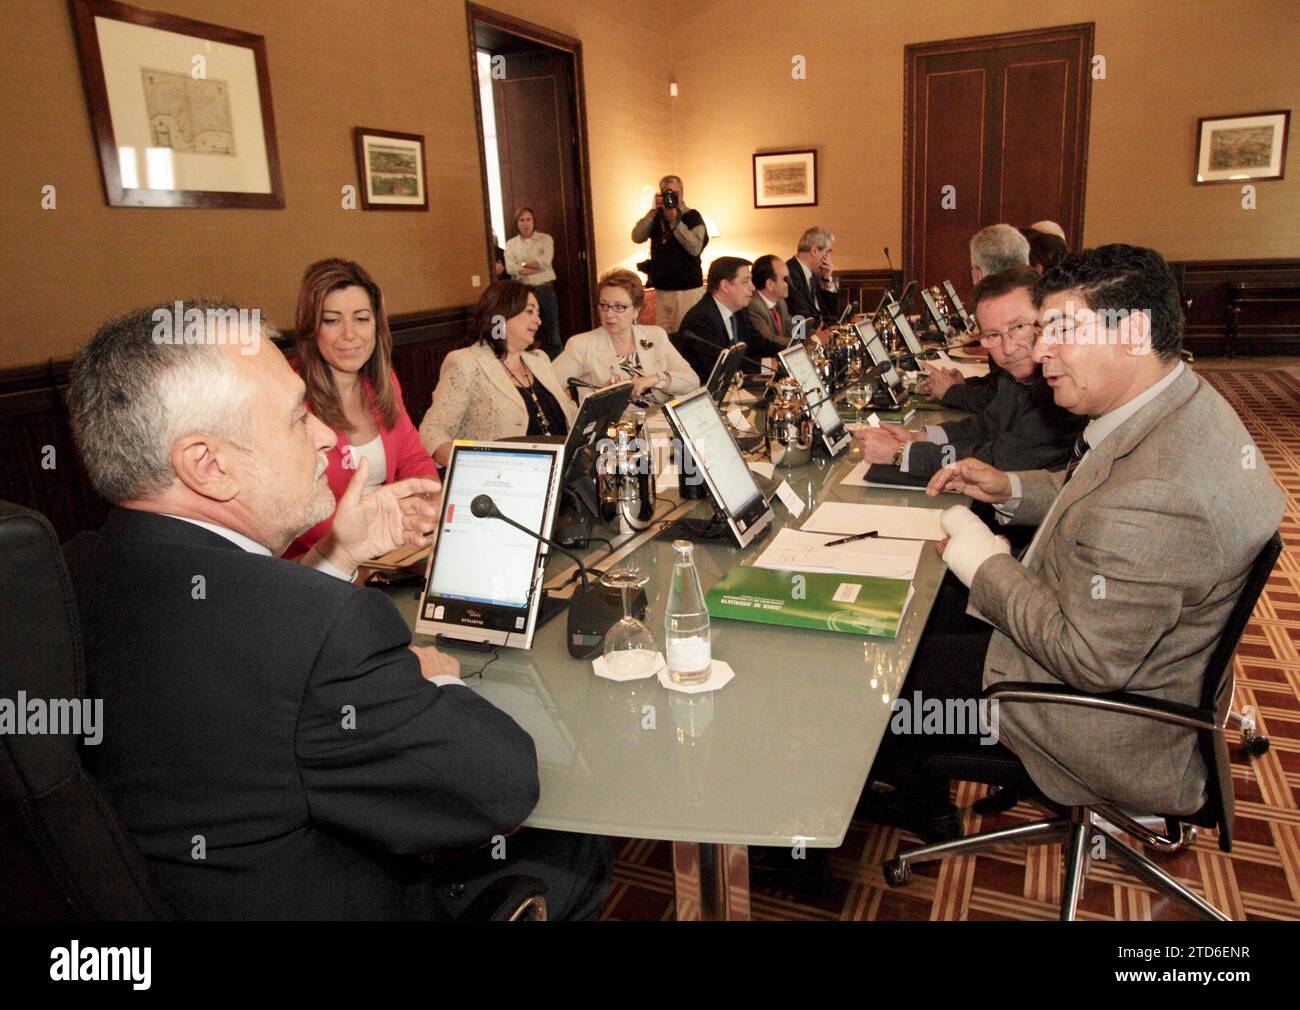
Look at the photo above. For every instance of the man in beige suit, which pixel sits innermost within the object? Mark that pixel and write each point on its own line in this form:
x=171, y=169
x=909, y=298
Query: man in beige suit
x=1143, y=545
x=768, y=310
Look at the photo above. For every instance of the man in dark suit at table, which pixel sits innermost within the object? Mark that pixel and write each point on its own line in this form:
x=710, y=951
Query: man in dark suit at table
x=720, y=319
x=1144, y=543
x=276, y=747
x=1021, y=428
x=768, y=312
x=813, y=292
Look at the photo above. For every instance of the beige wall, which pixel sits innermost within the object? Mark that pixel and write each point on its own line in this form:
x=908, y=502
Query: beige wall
x=1168, y=62
x=403, y=66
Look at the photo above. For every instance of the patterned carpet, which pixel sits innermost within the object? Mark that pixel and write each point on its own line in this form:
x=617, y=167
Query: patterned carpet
x=1260, y=879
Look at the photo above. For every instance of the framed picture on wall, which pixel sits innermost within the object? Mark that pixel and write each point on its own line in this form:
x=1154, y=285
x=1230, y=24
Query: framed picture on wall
x=785, y=179
x=1236, y=148
x=180, y=109
x=390, y=167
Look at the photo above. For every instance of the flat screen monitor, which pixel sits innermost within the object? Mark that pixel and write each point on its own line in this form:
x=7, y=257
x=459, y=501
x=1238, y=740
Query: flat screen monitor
x=719, y=464
x=484, y=579
x=938, y=318
x=879, y=354
x=910, y=341
x=725, y=368
x=958, y=307
x=826, y=417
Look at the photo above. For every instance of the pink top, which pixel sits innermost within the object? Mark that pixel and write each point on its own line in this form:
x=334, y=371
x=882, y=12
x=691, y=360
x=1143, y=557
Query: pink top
x=406, y=457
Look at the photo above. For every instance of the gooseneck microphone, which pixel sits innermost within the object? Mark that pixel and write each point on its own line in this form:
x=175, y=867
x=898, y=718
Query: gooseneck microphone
x=718, y=350
x=891, y=270
x=592, y=612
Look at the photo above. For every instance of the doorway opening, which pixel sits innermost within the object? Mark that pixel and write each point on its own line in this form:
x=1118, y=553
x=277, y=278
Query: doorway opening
x=532, y=127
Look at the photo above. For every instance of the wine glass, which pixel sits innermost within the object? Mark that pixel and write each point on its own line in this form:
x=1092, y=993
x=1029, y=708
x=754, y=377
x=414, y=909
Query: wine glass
x=629, y=649
x=859, y=398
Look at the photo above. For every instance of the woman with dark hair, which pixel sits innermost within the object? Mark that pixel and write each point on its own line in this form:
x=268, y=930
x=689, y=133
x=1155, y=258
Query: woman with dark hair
x=344, y=354
x=498, y=386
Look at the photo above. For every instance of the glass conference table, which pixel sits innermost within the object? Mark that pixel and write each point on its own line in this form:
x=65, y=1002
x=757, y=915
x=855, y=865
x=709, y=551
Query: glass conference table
x=778, y=757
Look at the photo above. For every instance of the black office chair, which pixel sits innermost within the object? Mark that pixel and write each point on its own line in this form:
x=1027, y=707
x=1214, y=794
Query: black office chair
x=68, y=855
x=1078, y=825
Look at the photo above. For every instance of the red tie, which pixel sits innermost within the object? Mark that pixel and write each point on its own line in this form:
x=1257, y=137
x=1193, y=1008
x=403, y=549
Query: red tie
x=776, y=321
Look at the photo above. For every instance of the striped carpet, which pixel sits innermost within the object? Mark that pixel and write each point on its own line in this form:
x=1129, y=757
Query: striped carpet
x=1260, y=879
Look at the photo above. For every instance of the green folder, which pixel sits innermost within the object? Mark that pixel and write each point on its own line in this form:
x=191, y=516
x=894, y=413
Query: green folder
x=853, y=604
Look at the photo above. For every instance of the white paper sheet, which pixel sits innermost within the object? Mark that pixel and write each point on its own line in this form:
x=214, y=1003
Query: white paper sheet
x=796, y=550
x=762, y=467
x=896, y=521
x=969, y=369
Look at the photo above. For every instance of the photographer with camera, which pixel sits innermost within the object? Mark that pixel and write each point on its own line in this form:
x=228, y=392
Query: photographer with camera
x=677, y=236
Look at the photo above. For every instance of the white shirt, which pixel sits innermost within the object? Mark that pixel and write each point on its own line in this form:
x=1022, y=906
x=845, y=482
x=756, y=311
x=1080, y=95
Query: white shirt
x=537, y=246
x=732, y=334
x=312, y=559
x=374, y=452
x=770, y=305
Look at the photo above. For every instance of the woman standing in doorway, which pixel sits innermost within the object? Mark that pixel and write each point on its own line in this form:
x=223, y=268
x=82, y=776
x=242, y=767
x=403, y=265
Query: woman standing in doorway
x=529, y=258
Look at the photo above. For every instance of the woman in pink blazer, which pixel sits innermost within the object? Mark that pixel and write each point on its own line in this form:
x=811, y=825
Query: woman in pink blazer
x=344, y=355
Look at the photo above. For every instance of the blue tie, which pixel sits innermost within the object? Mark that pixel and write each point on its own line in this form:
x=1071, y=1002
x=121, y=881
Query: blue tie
x=731, y=323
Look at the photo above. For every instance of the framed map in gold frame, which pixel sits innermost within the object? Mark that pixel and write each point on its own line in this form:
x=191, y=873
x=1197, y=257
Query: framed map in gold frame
x=180, y=109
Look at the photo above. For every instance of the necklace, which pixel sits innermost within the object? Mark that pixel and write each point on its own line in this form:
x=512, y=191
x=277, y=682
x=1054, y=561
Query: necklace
x=527, y=387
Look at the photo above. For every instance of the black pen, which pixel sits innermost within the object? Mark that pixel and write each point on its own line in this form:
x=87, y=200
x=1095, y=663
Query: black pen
x=849, y=540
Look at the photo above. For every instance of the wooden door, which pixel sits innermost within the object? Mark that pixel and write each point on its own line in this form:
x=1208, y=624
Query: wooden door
x=539, y=154
x=995, y=130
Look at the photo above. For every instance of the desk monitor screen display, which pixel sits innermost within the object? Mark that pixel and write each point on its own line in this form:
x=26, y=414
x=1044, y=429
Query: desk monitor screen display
x=879, y=355
x=905, y=330
x=940, y=320
x=828, y=419
x=958, y=307
x=484, y=579
x=725, y=367
x=719, y=463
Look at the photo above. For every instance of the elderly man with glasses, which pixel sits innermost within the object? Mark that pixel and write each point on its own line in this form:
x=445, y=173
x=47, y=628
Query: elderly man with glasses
x=1021, y=428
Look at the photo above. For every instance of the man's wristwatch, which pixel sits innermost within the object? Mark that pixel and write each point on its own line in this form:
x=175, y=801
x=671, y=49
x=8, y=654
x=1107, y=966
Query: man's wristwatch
x=898, y=455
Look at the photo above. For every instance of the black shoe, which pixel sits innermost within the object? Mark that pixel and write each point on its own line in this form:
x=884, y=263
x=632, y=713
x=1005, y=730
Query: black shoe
x=998, y=802
x=932, y=822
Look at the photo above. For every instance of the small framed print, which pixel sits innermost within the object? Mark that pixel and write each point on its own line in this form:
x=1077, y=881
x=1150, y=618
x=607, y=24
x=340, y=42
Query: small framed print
x=391, y=170
x=1237, y=148
x=180, y=109
x=785, y=179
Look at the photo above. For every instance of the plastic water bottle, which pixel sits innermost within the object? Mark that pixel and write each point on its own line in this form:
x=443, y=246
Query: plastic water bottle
x=686, y=623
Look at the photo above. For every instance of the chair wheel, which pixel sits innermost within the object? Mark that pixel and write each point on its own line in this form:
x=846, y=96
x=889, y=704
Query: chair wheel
x=1255, y=745
x=897, y=873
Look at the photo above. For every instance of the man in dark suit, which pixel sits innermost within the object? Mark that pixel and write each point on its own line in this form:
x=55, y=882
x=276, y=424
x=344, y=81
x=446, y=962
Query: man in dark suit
x=813, y=292
x=720, y=319
x=275, y=746
x=768, y=312
x=1021, y=428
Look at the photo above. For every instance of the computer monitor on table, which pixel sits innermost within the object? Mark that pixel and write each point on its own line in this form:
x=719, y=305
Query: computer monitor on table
x=829, y=423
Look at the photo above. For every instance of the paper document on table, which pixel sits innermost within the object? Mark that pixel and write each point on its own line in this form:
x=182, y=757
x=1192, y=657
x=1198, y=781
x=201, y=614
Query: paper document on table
x=968, y=369
x=896, y=521
x=797, y=551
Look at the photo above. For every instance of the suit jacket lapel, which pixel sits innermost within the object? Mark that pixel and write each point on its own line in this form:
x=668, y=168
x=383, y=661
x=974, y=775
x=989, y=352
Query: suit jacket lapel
x=497, y=375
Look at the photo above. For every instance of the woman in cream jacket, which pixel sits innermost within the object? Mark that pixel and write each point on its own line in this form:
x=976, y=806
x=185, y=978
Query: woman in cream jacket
x=497, y=387
x=621, y=349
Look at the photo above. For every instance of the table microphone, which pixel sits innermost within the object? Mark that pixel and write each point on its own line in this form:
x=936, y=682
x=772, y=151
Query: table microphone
x=592, y=611
x=718, y=350
x=891, y=271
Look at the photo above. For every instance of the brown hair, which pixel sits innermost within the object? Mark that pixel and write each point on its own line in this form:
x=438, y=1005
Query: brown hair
x=624, y=280
x=504, y=299
x=519, y=213
x=997, y=285
x=322, y=278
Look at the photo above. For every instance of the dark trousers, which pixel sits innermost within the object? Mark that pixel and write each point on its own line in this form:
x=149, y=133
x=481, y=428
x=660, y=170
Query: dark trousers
x=549, y=334
x=577, y=869
x=949, y=664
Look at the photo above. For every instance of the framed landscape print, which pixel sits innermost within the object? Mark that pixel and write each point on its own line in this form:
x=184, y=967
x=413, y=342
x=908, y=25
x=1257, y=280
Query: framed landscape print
x=785, y=179
x=1235, y=148
x=391, y=170
x=180, y=109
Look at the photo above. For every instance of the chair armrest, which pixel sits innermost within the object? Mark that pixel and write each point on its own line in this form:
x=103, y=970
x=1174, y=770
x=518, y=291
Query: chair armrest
x=1116, y=701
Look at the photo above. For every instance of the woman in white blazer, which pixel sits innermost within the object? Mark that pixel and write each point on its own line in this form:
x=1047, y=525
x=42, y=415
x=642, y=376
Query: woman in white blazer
x=498, y=386
x=622, y=349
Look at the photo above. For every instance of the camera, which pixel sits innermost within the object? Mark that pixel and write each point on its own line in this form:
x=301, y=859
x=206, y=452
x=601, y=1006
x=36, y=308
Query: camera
x=670, y=199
